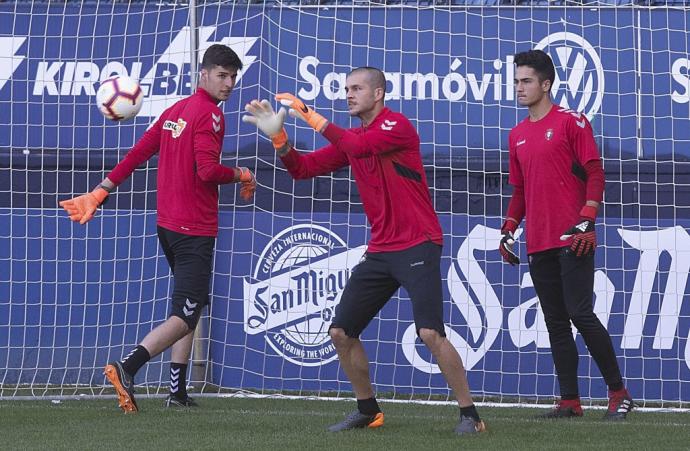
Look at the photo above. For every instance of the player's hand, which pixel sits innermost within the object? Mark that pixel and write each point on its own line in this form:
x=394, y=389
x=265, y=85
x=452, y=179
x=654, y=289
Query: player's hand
x=299, y=109
x=262, y=115
x=584, y=237
x=247, y=183
x=505, y=247
x=82, y=208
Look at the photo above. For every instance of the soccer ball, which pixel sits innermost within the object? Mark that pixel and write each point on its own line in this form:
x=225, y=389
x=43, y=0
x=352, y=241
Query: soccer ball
x=119, y=98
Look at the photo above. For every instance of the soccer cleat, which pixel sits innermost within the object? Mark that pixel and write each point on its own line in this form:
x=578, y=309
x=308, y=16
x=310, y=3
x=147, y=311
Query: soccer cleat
x=174, y=402
x=124, y=386
x=468, y=425
x=620, y=404
x=566, y=408
x=357, y=420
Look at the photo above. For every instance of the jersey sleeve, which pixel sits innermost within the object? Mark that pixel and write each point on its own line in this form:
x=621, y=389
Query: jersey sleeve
x=143, y=150
x=581, y=137
x=209, y=129
x=515, y=177
x=320, y=162
x=389, y=136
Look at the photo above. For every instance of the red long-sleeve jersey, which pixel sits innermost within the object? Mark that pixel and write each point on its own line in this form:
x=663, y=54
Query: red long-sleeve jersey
x=188, y=137
x=548, y=162
x=387, y=167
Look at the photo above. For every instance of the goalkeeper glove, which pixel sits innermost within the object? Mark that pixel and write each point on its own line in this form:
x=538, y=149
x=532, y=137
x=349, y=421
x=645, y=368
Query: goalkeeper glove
x=82, y=208
x=583, y=234
x=299, y=109
x=247, y=182
x=507, y=241
x=270, y=123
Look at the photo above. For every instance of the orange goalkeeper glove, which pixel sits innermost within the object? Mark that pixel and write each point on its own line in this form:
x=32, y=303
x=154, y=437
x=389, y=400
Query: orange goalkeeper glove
x=248, y=183
x=299, y=109
x=82, y=208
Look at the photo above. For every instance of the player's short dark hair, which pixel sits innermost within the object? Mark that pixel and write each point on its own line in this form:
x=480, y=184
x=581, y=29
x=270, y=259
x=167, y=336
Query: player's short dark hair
x=221, y=55
x=376, y=77
x=538, y=60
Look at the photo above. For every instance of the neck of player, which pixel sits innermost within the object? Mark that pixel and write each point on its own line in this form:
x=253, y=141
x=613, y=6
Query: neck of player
x=540, y=109
x=368, y=117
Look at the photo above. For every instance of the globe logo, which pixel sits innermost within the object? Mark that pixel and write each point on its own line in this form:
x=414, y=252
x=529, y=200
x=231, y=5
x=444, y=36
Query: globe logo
x=579, y=83
x=297, y=283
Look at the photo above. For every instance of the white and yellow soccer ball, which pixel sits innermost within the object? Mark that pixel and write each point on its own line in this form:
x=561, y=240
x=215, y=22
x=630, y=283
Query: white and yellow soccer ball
x=119, y=98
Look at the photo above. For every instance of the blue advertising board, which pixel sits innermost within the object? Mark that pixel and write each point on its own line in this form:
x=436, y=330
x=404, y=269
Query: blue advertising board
x=82, y=295
x=73, y=297
x=449, y=70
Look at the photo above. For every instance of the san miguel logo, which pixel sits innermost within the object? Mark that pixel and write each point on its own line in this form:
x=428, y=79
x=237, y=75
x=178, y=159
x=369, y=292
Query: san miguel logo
x=296, y=285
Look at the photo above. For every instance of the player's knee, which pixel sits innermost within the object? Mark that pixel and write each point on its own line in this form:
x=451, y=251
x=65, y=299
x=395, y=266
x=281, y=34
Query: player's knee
x=190, y=321
x=557, y=324
x=585, y=322
x=339, y=337
x=187, y=310
x=431, y=338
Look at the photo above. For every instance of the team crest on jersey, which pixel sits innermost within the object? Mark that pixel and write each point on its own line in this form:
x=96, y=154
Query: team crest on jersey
x=175, y=127
x=549, y=134
x=296, y=285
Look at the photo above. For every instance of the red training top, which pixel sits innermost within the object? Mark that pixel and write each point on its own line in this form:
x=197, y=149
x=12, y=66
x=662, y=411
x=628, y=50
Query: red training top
x=547, y=160
x=387, y=167
x=189, y=138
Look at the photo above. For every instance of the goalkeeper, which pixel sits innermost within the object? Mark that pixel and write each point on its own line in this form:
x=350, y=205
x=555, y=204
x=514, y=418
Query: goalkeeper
x=188, y=138
x=406, y=238
x=558, y=183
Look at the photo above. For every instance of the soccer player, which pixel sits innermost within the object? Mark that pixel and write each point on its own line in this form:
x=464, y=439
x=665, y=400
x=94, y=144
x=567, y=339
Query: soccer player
x=558, y=184
x=188, y=137
x=406, y=237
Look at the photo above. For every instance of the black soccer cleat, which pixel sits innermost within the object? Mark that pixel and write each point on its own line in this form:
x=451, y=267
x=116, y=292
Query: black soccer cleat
x=124, y=386
x=357, y=420
x=468, y=426
x=174, y=402
x=566, y=408
x=620, y=404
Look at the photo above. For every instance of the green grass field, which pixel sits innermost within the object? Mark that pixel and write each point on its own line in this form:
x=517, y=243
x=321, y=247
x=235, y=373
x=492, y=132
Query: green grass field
x=285, y=424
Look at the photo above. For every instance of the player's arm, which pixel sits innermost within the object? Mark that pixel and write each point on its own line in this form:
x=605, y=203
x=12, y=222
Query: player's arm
x=82, y=208
x=300, y=166
x=516, y=210
x=208, y=143
x=377, y=140
x=586, y=153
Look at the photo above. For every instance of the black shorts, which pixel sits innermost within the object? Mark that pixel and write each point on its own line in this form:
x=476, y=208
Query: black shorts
x=191, y=262
x=379, y=275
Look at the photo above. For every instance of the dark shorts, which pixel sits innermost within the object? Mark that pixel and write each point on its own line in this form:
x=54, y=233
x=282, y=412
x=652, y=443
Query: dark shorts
x=379, y=275
x=191, y=263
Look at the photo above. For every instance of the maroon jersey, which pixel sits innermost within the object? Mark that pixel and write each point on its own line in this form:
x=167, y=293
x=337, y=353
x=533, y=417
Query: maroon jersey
x=546, y=159
x=387, y=167
x=189, y=139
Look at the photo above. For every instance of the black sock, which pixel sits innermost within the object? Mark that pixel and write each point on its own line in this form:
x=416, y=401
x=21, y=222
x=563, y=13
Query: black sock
x=135, y=360
x=570, y=397
x=368, y=406
x=178, y=380
x=470, y=411
x=617, y=386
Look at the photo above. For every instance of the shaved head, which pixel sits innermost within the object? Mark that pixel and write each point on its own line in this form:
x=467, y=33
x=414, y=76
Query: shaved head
x=375, y=77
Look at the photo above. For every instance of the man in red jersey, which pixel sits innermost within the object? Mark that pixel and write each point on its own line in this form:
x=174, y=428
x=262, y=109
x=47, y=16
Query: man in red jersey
x=558, y=184
x=406, y=237
x=188, y=137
